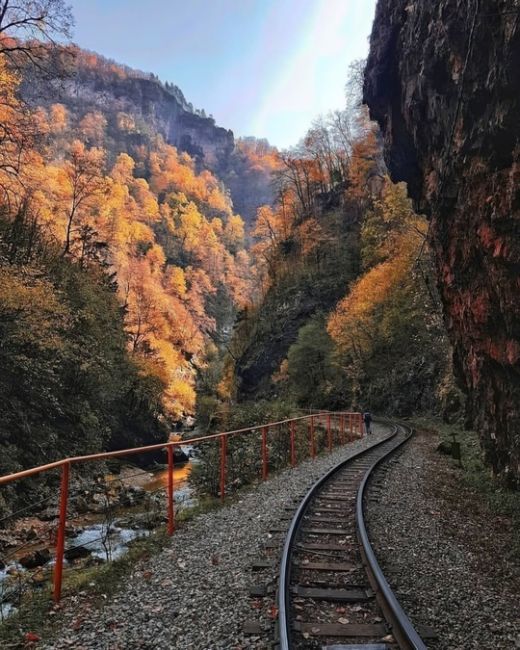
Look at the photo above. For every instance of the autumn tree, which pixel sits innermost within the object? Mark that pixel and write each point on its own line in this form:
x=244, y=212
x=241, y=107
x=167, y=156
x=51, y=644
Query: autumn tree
x=92, y=127
x=28, y=29
x=15, y=128
x=28, y=26
x=84, y=182
x=387, y=330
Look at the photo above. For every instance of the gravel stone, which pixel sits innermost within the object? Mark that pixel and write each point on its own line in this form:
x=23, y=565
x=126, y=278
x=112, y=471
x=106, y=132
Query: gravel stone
x=447, y=557
x=195, y=593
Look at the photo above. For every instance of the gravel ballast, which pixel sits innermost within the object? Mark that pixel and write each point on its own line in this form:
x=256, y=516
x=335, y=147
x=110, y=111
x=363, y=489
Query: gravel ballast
x=447, y=557
x=195, y=593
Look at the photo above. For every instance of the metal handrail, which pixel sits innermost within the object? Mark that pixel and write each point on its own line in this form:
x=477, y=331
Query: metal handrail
x=354, y=421
x=8, y=478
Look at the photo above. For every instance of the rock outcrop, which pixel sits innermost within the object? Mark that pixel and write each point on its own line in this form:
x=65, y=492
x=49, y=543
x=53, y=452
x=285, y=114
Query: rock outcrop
x=443, y=81
x=154, y=109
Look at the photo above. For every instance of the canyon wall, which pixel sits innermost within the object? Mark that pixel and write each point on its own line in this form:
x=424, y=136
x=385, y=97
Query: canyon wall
x=443, y=82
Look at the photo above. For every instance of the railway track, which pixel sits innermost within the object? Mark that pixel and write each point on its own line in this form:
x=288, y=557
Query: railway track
x=332, y=593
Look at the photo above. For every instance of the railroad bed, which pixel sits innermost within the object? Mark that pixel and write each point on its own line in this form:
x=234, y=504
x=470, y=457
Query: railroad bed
x=196, y=593
x=329, y=576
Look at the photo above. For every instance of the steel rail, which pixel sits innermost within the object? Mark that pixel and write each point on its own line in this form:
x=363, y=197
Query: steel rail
x=401, y=626
x=285, y=564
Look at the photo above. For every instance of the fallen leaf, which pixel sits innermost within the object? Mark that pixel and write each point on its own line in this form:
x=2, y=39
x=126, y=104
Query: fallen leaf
x=31, y=637
x=343, y=621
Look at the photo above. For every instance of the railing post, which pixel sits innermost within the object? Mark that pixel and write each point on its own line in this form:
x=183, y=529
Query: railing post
x=264, y=453
x=171, y=508
x=293, y=448
x=350, y=424
x=342, y=428
x=223, y=452
x=313, y=447
x=360, y=420
x=60, y=541
x=329, y=433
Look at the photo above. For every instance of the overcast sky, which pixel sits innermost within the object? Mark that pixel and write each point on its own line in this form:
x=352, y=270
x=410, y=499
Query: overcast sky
x=262, y=67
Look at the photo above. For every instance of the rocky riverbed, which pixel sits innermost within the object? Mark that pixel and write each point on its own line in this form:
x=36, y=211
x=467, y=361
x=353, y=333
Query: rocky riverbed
x=105, y=517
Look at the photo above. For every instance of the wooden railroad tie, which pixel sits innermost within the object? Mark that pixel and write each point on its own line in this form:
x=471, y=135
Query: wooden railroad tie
x=337, y=629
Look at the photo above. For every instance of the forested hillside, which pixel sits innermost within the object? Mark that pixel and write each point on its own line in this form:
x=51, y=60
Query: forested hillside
x=137, y=106
x=228, y=272
x=347, y=313
x=122, y=261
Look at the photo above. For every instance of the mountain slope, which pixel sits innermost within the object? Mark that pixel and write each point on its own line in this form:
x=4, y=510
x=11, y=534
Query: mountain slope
x=140, y=100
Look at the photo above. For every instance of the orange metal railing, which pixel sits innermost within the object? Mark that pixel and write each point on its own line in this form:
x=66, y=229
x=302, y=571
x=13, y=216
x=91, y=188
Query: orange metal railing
x=331, y=421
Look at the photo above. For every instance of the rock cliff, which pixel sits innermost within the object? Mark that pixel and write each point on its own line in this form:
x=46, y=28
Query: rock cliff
x=443, y=81
x=156, y=109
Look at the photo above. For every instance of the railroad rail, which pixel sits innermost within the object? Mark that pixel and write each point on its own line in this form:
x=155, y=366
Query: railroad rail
x=331, y=588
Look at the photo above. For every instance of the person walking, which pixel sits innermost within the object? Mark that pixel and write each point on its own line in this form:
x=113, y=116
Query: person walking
x=367, y=420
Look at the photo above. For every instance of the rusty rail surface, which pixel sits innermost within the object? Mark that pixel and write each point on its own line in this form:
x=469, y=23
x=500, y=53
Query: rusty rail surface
x=339, y=422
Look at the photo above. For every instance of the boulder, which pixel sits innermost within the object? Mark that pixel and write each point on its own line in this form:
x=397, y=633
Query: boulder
x=35, y=559
x=77, y=553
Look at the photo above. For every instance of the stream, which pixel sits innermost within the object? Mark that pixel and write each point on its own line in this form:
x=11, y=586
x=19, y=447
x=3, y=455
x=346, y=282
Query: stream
x=95, y=539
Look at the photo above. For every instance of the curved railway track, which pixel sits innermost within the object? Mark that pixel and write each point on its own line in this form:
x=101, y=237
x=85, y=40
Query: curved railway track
x=332, y=593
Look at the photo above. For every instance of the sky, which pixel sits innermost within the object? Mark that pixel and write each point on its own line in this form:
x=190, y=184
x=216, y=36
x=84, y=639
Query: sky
x=261, y=67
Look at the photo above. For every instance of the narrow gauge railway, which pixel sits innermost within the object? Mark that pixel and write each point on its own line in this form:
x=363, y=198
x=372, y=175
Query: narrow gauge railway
x=332, y=593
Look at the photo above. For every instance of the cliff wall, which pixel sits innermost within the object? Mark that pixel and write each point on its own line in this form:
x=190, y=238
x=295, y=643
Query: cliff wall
x=155, y=109
x=443, y=81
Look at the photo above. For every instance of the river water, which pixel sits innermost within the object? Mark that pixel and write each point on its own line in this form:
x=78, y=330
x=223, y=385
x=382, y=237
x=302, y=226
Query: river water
x=120, y=535
x=93, y=534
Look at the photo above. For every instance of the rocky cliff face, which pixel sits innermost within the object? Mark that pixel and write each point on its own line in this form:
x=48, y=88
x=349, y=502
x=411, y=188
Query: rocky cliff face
x=443, y=81
x=154, y=108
